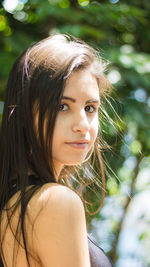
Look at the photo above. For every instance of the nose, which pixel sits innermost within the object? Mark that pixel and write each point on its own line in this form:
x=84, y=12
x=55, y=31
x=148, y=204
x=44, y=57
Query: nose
x=81, y=123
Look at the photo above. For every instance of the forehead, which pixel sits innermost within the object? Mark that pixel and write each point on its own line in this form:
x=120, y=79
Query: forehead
x=82, y=83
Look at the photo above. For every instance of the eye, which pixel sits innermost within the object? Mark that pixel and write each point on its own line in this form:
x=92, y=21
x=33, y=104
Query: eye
x=90, y=109
x=62, y=107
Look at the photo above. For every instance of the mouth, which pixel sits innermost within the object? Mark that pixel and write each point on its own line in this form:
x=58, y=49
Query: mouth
x=78, y=144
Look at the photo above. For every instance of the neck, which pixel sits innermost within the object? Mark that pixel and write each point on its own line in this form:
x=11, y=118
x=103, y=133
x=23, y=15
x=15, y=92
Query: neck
x=57, y=169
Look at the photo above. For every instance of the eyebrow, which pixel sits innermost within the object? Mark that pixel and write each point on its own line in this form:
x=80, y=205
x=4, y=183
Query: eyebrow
x=74, y=100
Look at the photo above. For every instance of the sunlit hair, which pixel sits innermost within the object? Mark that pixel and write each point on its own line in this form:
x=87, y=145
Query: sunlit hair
x=35, y=86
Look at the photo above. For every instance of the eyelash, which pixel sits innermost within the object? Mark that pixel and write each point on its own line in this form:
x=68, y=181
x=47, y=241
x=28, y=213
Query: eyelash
x=94, y=108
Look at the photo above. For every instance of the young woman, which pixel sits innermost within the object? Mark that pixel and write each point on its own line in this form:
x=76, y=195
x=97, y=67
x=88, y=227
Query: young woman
x=50, y=123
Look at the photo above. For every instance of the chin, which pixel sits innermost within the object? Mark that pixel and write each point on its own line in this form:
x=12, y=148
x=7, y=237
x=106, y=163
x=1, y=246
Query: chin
x=74, y=163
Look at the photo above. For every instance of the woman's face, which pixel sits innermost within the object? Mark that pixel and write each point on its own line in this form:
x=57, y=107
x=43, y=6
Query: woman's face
x=76, y=124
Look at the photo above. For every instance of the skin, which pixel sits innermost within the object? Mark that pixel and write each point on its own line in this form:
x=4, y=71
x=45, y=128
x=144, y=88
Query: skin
x=77, y=120
x=59, y=235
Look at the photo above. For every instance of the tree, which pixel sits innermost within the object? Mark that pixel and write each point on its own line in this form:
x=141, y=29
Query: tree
x=121, y=31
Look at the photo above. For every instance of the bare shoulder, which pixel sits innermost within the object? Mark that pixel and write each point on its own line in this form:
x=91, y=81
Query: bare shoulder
x=51, y=199
x=61, y=228
x=56, y=200
x=55, y=192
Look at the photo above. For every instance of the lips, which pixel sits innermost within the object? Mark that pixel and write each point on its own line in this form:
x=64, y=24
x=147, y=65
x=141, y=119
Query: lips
x=80, y=144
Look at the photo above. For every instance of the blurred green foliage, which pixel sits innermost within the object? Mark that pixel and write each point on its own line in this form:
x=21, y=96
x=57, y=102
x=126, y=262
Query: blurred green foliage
x=120, y=30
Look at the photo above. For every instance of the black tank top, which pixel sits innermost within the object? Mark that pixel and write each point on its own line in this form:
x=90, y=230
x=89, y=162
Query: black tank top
x=97, y=256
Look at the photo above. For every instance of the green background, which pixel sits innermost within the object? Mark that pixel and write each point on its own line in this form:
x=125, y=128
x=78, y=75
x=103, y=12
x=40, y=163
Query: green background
x=121, y=32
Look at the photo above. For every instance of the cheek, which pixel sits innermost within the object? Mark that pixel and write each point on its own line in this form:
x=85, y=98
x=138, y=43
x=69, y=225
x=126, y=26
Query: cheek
x=59, y=129
x=59, y=124
x=94, y=128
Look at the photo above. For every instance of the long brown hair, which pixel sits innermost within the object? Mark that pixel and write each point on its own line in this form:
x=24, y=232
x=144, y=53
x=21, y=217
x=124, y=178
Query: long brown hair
x=36, y=84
